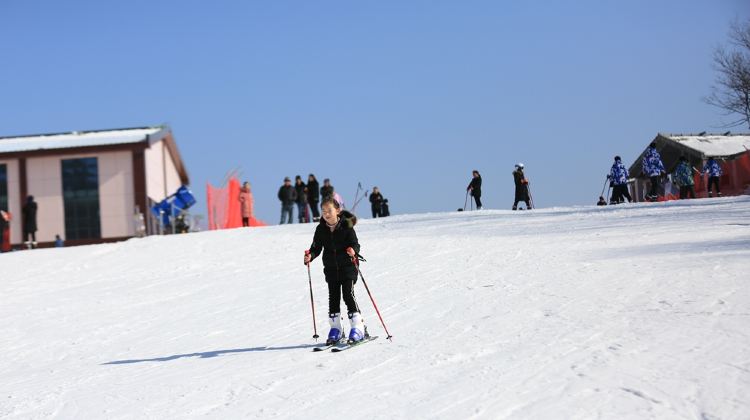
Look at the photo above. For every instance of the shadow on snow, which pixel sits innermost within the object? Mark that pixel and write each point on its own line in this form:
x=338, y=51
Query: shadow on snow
x=208, y=354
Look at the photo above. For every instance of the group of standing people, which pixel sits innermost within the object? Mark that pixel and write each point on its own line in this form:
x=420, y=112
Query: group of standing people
x=653, y=168
x=305, y=197
x=523, y=194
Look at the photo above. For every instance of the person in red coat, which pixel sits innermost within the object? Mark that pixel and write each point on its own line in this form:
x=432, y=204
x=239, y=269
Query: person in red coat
x=246, y=204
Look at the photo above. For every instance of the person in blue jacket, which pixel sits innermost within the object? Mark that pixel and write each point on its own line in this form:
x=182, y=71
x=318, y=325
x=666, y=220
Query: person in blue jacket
x=653, y=168
x=713, y=170
x=683, y=177
x=618, y=177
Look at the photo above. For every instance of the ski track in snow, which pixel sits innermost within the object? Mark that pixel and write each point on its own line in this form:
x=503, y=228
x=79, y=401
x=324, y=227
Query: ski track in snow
x=633, y=311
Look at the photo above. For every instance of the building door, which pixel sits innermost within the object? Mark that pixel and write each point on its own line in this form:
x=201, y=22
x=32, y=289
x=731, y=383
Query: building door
x=80, y=179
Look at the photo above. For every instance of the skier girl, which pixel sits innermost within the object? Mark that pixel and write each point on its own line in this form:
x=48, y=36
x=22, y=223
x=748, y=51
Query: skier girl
x=336, y=239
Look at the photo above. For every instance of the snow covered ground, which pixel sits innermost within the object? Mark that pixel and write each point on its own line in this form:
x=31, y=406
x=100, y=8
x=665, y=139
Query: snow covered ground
x=635, y=311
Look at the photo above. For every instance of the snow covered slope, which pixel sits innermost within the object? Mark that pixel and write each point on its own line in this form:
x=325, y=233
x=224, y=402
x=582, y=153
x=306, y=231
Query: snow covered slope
x=634, y=311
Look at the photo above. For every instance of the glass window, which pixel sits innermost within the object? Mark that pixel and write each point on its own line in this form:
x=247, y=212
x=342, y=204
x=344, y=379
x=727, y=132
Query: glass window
x=3, y=187
x=81, y=198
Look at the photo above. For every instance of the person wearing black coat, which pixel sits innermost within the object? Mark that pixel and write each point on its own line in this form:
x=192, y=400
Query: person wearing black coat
x=29, y=222
x=475, y=188
x=337, y=241
x=376, y=202
x=313, y=196
x=522, y=187
x=288, y=196
x=301, y=189
x=326, y=191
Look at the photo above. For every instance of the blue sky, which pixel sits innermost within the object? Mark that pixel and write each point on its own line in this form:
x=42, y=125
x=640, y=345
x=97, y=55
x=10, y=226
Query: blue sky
x=406, y=95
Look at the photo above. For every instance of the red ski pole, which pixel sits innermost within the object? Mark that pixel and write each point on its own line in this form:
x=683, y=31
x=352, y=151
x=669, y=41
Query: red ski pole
x=312, y=302
x=355, y=260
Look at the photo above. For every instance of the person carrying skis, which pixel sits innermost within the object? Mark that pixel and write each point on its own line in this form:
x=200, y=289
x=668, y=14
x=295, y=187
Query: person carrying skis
x=713, y=170
x=618, y=176
x=336, y=239
x=653, y=168
x=522, y=187
x=475, y=188
x=683, y=177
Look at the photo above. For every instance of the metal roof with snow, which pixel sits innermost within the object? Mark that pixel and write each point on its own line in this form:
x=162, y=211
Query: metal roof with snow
x=77, y=139
x=714, y=145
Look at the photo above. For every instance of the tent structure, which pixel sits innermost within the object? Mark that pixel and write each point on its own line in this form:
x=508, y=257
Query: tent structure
x=732, y=151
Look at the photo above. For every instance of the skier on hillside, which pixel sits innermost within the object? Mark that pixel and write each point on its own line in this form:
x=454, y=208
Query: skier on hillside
x=336, y=239
x=475, y=188
x=313, y=196
x=326, y=191
x=287, y=195
x=713, y=170
x=522, y=187
x=376, y=202
x=301, y=189
x=653, y=167
x=618, y=176
x=683, y=177
x=29, y=222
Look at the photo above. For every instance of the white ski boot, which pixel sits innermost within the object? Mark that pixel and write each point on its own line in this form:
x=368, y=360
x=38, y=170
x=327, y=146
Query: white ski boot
x=358, y=331
x=337, y=332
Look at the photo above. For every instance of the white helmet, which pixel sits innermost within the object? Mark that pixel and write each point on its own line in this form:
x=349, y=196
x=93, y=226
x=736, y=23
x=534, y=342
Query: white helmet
x=519, y=165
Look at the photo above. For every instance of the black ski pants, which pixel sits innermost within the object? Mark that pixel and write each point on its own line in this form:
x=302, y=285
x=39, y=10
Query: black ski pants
x=342, y=286
x=652, y=193
x=713, y=180
x=687, y=191
x=620, y=193
x=478, y=200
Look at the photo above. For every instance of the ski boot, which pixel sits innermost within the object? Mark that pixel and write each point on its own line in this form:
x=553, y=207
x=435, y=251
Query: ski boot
x=358, y=331
x=336, y=333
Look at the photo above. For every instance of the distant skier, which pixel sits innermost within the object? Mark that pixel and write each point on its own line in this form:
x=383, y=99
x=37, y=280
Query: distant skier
x=522, y=187
x=475, y=188
x=326, y=191
x=376, y=203
x=713, y=170
x=653, y=167
x=602, y=201
x=313, y=197
x=683, y=177
x=618, y=176
x=301, y=189
x=336, y=239
x=29, y=222
x=287, y=195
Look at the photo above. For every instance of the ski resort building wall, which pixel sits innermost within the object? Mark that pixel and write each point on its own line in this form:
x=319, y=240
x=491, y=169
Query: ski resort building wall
x=133, y=168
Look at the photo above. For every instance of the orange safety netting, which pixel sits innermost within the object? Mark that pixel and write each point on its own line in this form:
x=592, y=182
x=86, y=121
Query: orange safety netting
x=224, y=209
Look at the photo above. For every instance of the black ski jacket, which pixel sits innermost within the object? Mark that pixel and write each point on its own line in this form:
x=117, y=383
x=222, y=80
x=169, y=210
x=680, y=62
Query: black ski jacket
x=287, y=195
x=313, y=194
x=301, y=195
x=336, y=263
x=376, y=200
x=475, y=186
x=326, y=192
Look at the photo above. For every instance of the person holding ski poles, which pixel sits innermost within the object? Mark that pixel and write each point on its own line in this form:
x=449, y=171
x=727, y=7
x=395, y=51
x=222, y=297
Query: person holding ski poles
x=618, y=176
x=713, y=170
x=336, y=239
x=475, y=188
x=653, y=168
x=522, y=187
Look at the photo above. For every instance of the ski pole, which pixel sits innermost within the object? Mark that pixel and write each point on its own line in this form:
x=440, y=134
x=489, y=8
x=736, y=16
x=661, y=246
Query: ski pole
x=312, y=302
x=604, y=186
x=466, y=199
x=355, y=260
x=531, y=197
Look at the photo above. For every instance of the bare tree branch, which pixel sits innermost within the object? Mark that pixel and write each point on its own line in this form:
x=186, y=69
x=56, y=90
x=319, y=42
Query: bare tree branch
x=731, y=91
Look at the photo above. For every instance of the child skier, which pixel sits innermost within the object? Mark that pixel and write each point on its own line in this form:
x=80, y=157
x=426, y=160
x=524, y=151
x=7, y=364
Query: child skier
x=336, y=239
